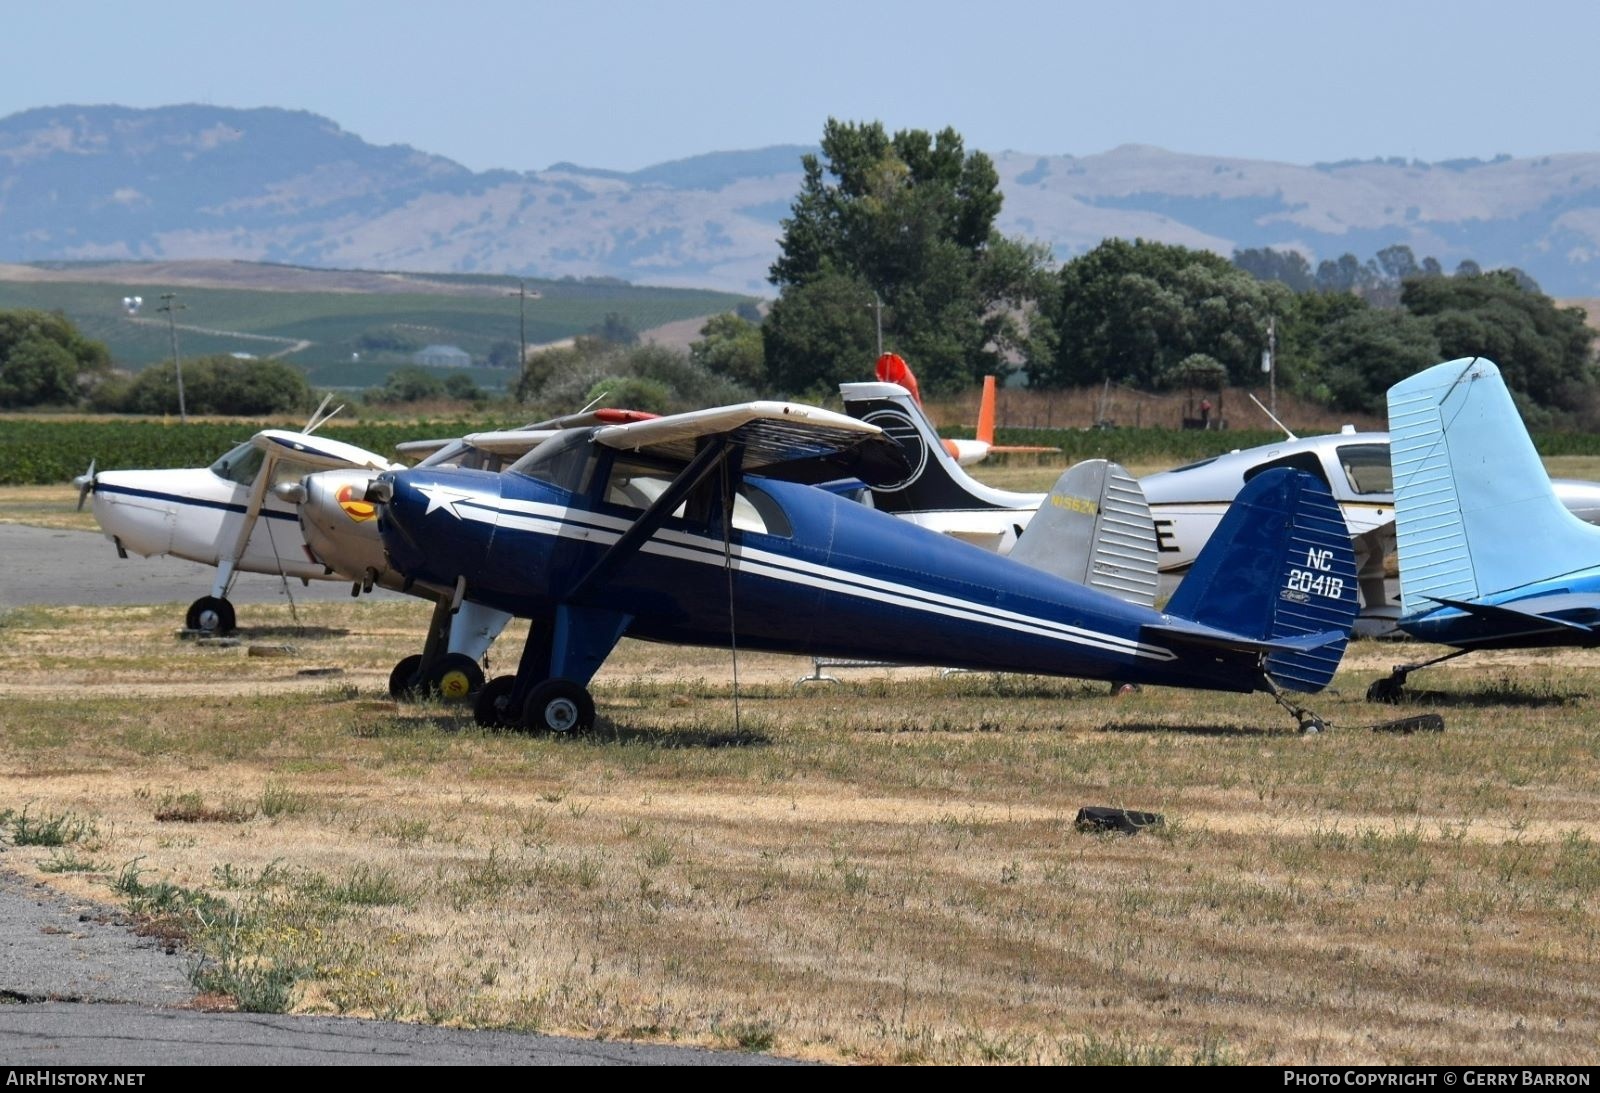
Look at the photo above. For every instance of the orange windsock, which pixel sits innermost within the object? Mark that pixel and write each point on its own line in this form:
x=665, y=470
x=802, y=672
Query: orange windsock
x=892, y=368
x=986, y=412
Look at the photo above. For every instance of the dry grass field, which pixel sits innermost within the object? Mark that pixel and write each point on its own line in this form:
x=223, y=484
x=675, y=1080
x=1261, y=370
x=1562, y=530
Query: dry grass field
x=882, y=871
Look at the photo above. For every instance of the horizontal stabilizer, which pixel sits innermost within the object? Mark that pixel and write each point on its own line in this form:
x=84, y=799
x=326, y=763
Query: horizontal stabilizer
x=1095, y=529
x=1536, y=612
x=1177, y=632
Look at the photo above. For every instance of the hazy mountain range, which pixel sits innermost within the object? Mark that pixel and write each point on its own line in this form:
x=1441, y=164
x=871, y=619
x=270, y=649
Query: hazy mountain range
x=108, y=182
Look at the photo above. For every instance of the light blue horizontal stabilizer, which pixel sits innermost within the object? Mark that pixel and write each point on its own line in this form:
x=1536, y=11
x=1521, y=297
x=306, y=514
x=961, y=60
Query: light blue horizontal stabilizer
x=1475, y=514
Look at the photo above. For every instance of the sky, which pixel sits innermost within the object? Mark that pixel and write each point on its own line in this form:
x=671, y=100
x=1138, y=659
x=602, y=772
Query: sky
x=623, y=84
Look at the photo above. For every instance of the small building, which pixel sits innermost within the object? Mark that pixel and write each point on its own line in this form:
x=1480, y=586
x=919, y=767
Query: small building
x=443, y=356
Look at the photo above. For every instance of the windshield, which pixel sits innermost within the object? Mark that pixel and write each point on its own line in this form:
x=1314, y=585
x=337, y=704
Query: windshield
x=240, y=465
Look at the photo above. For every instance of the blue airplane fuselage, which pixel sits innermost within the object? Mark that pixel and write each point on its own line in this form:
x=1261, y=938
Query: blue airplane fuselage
x=828, y=577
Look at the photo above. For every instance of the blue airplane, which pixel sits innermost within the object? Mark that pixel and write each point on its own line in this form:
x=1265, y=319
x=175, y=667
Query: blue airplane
x=1489, y=556
x=706, y=529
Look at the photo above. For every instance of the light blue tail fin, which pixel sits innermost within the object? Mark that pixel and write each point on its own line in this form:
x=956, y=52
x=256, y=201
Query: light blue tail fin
x=1475, y=513
x=1280, y=571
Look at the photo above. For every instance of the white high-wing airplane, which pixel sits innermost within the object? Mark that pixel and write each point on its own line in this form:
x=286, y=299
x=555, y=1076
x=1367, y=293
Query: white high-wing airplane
x=1187, y=502
x=224, y=515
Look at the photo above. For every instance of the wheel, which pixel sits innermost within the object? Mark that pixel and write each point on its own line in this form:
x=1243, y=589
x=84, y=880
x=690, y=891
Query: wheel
x=455, y=678
x=405, y=677
x=1388, y=689
x=492, y=709
x=1311, y=724
x=559, y=706
x=211, y=615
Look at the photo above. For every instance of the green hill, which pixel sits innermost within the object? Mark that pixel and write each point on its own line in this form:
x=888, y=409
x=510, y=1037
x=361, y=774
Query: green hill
x=472, y=313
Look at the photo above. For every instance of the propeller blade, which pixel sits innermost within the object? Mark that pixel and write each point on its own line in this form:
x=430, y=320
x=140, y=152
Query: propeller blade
x=85, y=484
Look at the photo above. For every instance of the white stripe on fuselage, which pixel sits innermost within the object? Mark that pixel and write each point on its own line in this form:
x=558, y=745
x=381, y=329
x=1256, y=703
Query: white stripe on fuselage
x=558, y=521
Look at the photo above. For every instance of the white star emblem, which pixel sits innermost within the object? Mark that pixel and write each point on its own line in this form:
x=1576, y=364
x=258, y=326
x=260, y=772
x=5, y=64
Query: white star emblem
x=444, y=497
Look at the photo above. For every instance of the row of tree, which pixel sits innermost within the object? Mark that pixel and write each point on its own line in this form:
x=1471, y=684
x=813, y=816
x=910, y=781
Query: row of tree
x=892, y=241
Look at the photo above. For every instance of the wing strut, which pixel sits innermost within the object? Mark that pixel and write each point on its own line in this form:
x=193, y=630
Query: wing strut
x=705, y=461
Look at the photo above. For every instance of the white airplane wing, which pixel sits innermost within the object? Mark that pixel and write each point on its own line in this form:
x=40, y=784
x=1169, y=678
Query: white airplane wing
x=773, y=435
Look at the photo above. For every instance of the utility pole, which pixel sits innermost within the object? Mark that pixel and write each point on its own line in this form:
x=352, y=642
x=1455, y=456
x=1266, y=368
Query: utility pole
x=522, y=295
x=877, y=311
x=1269, y=365
x=171, y=306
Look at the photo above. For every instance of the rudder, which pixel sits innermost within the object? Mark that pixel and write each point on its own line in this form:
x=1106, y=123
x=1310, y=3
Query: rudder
x=1279, y=566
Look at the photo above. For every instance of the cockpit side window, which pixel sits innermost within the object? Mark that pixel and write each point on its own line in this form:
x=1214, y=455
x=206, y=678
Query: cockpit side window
x=636, y=483
x=1300, y=461
x=755, y=510
x=1367, y=467
x=566, y=460
x=240, y=465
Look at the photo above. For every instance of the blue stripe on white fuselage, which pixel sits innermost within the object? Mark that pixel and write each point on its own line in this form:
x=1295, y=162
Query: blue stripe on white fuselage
x=193, y=502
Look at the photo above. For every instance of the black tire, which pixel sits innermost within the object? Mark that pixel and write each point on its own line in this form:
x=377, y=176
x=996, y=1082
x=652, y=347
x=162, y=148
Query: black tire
x=210, y=615
x=406, y=677
x=455, y=678
x=558, y=706
x=493, y=709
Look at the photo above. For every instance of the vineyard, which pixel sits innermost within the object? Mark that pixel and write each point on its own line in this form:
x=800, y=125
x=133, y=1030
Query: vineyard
x=42, y=451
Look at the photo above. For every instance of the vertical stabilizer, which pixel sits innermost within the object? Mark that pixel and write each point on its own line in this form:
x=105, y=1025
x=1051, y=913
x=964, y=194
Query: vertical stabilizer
x=1095, y=528
x=1475, y=513
x=936, y=482
x=1279, y=566
x=986, y=412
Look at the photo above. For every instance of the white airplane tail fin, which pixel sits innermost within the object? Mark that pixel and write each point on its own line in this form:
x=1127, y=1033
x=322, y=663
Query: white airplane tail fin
x=1475, y=513
x=1095, y=528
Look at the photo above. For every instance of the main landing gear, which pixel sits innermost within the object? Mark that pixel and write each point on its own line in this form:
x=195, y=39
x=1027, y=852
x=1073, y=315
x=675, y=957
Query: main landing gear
x=210, y=615
x=549, y=693
x=557, y=706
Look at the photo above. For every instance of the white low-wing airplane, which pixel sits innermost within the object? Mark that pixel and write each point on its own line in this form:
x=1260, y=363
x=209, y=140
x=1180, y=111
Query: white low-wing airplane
x=1187, y=503
x=224, y=515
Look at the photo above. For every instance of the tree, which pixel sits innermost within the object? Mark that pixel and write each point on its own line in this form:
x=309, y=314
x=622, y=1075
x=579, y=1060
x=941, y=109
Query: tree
x=1367, y=351
x=1287, y=266
x=409, y=383
x=503, y=354
x=731, y=346
x=615, y=329
x=819, y=333
x=220, y=384
x=1130, y=312
x=42, y=357
x=905, y=224
x=1545, y=353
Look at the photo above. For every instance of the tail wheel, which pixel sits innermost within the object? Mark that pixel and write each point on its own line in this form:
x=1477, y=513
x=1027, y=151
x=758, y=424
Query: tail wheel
x=558, y=706
x=210, y=615
x=406, y=676
x=493, y=709
x=455, y=678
